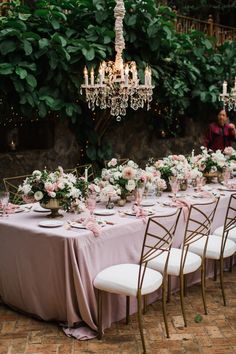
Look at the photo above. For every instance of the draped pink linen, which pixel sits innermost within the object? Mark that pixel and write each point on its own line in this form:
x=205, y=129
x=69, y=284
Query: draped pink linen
x=50, y=272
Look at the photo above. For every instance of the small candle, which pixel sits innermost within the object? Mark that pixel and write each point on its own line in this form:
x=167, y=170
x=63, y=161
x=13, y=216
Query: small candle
x=86, y=174
x=13, y=145
x=92, y=77
x=150, y=77
x=225, y=88
x=86, y=76
x=235, y=82
x=146, y=76
x=193, y=153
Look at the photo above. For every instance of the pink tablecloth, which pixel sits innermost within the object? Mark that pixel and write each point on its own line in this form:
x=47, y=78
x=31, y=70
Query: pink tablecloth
x=50, y=272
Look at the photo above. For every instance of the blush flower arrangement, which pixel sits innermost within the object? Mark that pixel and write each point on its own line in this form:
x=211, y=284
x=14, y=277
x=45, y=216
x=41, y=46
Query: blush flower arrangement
x=210, y=162
x=42, y=186
x=124, y=177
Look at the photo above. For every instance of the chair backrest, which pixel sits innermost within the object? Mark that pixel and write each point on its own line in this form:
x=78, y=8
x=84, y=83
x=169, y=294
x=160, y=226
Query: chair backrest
x=157, y=239
x=71, y=170
x=198, y=225
x=122, y=161
x=81, y=171
x=11, y=185
x=230, y=220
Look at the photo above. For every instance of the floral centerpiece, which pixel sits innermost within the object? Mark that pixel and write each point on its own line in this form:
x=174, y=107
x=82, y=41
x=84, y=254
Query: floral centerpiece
x=153, y=179
x=124, y=178
x=53, y=190
x=210, y=163
x=174, y=165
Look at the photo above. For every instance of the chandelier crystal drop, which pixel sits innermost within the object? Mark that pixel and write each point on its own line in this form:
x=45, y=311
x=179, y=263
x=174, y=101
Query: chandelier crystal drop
x=117, y=85
x=228, y=98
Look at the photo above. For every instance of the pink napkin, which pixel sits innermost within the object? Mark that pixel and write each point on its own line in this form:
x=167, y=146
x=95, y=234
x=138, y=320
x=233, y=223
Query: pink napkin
x=10, y=209
x=140, y=213
x=91, y=224
x=184, y=204
x=230, y=185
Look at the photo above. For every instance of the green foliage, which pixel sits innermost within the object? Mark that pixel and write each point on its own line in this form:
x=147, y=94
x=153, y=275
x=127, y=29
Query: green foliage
x=45, y=47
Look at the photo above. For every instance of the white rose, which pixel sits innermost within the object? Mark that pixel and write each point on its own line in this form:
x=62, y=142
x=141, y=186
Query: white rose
x=61, y=185
x=131, y=163
x=130, y=186
x=38, y=195
x=52, y=194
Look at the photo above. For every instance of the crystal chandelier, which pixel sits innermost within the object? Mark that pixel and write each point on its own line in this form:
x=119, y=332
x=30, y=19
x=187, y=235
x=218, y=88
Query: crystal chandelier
x=228, y=99
x=117, y=85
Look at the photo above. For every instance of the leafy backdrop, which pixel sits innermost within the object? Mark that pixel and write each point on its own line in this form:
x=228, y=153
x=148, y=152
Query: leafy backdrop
x=45, y=47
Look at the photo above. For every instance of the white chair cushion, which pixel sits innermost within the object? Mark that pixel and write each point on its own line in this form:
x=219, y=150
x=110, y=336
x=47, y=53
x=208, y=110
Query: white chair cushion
x=123, y=279
x=231, y=234
x=213, y=247
x=192, y=263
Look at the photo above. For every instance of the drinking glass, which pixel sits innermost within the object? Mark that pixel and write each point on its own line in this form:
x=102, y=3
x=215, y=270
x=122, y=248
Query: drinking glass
x=226, y=175
x=139, y=195
x=91, y=203
x=174, y=183
x=4, y=200
x=200, y=183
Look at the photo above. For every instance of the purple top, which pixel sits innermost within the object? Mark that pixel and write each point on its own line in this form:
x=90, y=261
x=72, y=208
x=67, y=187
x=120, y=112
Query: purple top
x=219, y=137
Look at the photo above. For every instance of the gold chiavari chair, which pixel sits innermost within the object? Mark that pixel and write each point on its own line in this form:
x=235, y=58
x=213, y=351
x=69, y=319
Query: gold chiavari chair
x=221, y=244
x=71, y=170
x=81, y=171
x=181, y=260
x=230, y=222
x=11, y=185
x=122, y=161
x=137, y=279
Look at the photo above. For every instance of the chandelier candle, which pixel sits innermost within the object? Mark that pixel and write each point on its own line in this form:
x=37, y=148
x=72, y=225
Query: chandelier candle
x=228, y=99
x=117, y=85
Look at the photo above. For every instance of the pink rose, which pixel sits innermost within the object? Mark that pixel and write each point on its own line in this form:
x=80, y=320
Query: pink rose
x=128, y=173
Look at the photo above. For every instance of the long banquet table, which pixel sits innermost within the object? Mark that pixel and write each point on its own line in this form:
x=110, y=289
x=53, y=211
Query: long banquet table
x=49, y=272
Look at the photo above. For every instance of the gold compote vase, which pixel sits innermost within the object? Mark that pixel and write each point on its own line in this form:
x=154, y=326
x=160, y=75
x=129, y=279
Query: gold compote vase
x=54, y=206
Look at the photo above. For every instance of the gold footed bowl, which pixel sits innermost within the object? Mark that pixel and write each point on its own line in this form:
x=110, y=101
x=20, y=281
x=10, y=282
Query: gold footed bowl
x=54, y=206
x=210, y=176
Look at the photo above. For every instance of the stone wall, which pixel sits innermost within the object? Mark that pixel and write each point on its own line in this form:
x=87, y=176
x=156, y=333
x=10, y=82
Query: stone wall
x=133, y=139
x=65, y=153
x=129, y=138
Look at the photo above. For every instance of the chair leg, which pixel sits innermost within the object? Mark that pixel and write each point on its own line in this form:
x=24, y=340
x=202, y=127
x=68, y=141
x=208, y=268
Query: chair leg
x=127, y=309
x=185, y=285
x=144, y=304
x=231, y=264
x=182, y=298
x=140, y=320
x=168, y=288
x=215, y=270
x=203, y=286
x=221, y=279
x=164, y=308
x=99, y=307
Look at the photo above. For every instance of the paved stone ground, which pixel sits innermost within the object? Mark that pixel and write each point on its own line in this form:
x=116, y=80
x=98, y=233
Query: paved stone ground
x=216, y=333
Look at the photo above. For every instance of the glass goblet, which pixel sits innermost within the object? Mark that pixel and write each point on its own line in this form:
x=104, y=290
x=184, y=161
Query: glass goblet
x=91, y=203
x=4, y=200
x=139, y=196
x=174, y=183
x=226, y=176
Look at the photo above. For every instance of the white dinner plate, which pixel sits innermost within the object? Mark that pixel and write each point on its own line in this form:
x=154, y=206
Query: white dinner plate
x=51, y=223
x=40, y=209
x=224, y=188
x=132, y=213
x=104, y=212
x=147, y=202
x=77, y=225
